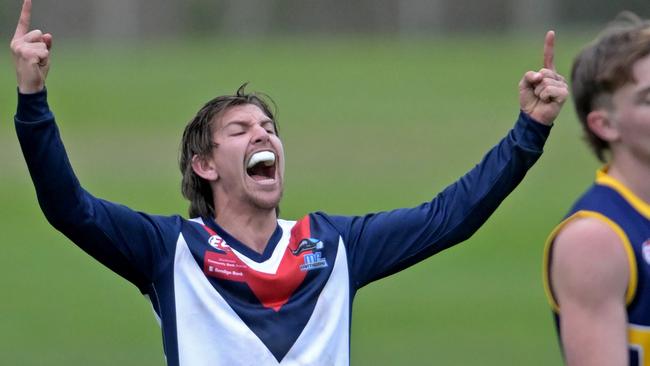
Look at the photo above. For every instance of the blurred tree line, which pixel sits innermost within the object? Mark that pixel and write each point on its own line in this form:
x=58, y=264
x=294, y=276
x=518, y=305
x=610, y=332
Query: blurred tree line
x=169, y=18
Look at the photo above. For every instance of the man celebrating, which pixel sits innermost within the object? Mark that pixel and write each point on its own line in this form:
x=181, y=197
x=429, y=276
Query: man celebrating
x=597, y=260
x=236, y=285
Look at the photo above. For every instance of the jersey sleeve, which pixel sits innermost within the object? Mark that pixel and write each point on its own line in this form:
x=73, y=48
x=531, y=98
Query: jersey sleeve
x=135, y=245
x=381, y=244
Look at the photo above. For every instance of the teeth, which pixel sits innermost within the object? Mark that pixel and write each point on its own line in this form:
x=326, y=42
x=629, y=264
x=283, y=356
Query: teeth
x=265, y=157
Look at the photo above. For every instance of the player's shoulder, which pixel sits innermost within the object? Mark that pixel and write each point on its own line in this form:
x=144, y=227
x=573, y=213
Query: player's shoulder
x=592, y=224
x=173, y=220
x=323, y=223
x=588, y=234
x=338, y=223
x=590, y=260
x=170, y=225
x=590, y=249
x=200, y=224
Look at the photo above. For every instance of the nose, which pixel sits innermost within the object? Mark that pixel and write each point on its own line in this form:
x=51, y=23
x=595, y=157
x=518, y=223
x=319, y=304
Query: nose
x=260, y=135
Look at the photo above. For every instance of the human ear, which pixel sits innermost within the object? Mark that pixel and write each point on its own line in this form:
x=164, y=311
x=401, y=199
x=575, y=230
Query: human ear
x=204, y=167
x=601, y=123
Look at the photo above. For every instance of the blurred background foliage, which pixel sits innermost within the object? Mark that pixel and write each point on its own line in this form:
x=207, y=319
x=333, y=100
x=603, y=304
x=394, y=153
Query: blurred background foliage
x=131, y=19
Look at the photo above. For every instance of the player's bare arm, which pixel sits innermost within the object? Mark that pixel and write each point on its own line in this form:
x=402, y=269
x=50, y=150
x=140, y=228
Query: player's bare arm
x=31, y=53
x=596, y=259
x=590, y=274
x=542, y=93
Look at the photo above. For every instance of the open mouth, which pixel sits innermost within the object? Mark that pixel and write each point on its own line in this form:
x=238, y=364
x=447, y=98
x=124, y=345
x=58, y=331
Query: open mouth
x=261, y=166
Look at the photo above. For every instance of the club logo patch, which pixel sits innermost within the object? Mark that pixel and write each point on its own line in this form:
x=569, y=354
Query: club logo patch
x=218, y=243
x=313, y=260
x=308, y=244
x=645, y=248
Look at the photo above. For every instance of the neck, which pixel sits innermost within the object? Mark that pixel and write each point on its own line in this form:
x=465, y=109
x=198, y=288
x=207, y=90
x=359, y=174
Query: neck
x=633, y=174
x=252, y=227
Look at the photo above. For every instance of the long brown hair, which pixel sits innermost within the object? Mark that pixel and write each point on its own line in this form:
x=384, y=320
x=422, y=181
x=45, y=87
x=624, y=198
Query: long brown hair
x=197, y=140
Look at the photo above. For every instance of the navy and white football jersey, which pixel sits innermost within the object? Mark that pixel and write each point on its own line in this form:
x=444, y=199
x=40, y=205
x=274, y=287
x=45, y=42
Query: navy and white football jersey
x=221, y=303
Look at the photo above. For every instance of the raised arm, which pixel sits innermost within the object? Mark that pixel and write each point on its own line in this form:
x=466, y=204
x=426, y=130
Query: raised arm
x=590, y=274
x=384, y=243
x=135, y=245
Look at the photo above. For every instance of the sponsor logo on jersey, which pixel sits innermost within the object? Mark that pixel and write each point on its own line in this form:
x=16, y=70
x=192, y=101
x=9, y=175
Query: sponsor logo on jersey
x=220, y=266
x=308, y=244
x=645, y=248
x=313, y=261
x=218, y=243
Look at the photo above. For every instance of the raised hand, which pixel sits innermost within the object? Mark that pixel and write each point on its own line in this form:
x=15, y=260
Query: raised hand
x=31, y=53
x=542, y=93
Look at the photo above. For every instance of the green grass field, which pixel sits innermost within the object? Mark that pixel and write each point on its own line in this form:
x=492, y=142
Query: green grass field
x=367, y=125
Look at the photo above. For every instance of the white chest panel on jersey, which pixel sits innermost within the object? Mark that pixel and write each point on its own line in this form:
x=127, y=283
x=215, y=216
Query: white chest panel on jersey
x=211, y=333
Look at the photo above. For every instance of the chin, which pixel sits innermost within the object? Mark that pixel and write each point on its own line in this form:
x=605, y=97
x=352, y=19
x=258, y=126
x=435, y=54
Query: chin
x=266, y=201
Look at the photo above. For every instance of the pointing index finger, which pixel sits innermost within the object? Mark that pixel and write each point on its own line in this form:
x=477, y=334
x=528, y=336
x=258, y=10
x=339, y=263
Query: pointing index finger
x=25, y=17
x=549, y=50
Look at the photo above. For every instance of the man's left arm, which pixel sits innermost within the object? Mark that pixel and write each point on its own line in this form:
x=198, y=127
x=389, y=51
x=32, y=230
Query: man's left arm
x=384, y=243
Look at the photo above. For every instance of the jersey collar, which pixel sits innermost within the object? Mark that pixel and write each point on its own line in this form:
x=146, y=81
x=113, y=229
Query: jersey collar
x=241, y=247
x=604, y=179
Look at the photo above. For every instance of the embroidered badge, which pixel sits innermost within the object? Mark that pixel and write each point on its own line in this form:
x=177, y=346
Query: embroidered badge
x=311, y=260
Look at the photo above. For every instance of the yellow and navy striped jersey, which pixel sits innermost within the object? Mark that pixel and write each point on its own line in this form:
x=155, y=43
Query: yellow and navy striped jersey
x=628, y=216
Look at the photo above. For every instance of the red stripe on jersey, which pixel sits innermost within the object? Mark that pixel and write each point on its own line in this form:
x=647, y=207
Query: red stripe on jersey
x=272, y=290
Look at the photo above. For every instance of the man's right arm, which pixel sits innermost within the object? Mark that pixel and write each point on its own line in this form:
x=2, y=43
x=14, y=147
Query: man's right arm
x=590, y=274
x=135, y=245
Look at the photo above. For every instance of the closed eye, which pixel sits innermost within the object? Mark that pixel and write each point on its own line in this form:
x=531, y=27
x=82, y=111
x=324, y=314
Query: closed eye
x=643, y=96
x=269, y=127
